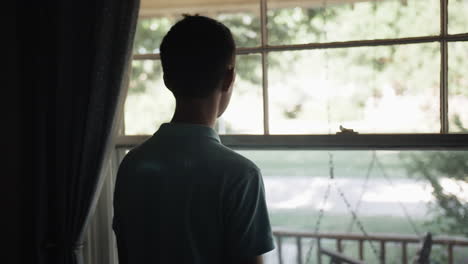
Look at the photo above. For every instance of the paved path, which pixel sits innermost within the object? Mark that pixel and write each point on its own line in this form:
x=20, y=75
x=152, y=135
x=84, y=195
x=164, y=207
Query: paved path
x=379, y=198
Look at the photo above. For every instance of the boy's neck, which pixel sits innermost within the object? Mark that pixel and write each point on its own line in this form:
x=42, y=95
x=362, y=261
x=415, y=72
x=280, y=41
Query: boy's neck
x=196, y=111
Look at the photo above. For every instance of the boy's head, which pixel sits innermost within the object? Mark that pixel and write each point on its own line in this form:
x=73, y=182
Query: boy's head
x=198, y=57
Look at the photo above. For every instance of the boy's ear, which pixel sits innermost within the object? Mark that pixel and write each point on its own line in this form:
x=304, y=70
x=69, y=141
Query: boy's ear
x=228, y=79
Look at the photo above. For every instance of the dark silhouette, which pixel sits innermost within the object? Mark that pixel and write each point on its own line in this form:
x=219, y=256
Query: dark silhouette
x=181, y=196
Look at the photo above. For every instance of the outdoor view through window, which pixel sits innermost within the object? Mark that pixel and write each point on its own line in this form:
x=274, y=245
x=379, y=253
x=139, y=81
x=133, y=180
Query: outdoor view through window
x=305, y=67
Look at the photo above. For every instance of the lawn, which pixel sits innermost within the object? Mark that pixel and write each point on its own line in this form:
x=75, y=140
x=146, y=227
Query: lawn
x=316, y=163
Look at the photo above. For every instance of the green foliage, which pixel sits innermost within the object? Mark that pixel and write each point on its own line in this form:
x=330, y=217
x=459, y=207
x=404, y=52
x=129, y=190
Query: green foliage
x=246, y=31
x=451, y=211
x=150, y=32
x=148, y=38
x=294, y=25
x=144, y=72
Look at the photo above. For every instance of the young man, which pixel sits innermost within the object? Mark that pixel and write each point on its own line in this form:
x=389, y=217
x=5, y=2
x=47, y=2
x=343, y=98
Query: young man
x=181, y=196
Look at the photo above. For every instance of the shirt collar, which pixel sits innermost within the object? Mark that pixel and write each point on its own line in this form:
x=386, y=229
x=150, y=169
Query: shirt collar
x=187, y=130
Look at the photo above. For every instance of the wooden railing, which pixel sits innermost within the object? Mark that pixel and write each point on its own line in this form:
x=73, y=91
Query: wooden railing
x=381, y=239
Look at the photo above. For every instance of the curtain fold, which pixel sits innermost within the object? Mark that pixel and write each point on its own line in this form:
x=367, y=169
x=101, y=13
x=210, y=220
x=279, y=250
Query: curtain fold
x=100, y=244
x=78, y=119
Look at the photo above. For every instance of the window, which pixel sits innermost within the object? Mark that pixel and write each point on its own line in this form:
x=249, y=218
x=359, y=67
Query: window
x=307, y=67
x=392, y=70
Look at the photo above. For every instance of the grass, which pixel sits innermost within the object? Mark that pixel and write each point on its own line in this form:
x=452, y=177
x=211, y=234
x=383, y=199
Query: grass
x=316, y=163
x=306, y=220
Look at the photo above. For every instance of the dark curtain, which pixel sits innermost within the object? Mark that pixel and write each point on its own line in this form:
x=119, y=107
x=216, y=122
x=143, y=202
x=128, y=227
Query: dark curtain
x=79, y=56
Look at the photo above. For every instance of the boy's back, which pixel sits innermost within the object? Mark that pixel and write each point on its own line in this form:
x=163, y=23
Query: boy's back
x=182, y=197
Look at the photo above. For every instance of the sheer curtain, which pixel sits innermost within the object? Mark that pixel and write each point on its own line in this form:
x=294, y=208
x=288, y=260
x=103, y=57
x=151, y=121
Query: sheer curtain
x=99, y=243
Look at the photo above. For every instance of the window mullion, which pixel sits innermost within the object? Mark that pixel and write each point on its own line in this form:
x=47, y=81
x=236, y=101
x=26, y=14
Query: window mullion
x=264, y=34
x=444, y=123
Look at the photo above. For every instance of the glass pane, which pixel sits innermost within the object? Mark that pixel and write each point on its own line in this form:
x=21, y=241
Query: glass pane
x=244, y=25
x=307, y=21
x=391, y=192
x=244, y=114
x=149, y=103
x=458, y=18
x=387, y=89
x=150, y=33
x=458, y=86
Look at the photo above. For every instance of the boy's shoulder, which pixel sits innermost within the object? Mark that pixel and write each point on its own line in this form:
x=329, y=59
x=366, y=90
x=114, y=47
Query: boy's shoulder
x=217, y=156
x=236, y=161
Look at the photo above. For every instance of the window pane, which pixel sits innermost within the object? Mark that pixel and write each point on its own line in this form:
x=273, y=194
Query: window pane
x=387, y=89
x=244, y=114
x=458, y=86
x=150, y=32
x=149, y=103
x=383, y=190
x=458, y=19
x=350, y=20
x=244, y=25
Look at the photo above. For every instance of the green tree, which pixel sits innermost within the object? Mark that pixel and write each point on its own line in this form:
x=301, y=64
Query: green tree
x=451, y=211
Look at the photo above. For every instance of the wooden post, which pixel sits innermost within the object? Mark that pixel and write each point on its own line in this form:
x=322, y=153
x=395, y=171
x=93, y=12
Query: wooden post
x=280, y=253
x=382, y=252
x=339, y=246
x=299, y=249
x=319, y=253
x=450, y=253
x=404, y=254
x=361, y=249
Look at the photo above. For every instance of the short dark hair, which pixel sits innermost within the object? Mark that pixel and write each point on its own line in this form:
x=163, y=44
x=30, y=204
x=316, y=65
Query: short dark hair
x=195, y=54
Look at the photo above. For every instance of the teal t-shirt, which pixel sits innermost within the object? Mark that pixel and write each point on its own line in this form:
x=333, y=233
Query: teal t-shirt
x=183, y=197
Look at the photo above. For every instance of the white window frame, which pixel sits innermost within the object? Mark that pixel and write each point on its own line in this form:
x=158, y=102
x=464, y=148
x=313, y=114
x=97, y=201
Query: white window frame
x=442, y=140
